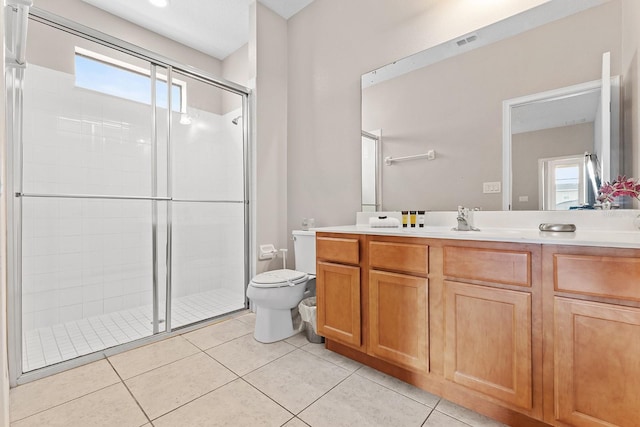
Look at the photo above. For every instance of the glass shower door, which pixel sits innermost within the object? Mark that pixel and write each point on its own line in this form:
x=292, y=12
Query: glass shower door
x=91, y=197
x=209, y=233
x=130, y=210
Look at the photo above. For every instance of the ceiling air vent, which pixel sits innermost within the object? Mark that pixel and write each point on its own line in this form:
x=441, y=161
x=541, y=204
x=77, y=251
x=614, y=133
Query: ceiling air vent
x=467, y=39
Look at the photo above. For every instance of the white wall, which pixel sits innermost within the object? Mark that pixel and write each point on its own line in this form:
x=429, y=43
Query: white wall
x=235, y=67
x=268, y=76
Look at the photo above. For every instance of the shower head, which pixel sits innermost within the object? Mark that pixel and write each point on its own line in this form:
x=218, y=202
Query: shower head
x=235, y=121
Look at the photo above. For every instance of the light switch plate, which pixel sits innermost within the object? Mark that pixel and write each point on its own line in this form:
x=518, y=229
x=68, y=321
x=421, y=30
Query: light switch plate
x=523, y=198
x=491, y=187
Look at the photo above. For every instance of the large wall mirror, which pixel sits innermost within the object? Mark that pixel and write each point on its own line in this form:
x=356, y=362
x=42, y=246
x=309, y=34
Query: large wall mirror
x=438, y=115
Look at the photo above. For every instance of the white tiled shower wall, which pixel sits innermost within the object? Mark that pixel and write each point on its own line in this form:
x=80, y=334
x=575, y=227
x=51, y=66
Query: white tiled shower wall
x=83, y=257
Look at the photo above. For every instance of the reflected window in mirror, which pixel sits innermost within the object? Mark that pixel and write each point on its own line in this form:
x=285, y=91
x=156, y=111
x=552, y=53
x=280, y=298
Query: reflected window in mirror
x=563, y=183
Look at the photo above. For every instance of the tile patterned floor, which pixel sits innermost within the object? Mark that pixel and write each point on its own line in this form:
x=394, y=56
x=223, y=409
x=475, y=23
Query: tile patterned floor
x=54, y=344
x=220, y=376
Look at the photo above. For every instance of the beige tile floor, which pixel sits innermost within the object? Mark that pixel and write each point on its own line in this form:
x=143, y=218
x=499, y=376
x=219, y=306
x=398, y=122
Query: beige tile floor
x=220, y=376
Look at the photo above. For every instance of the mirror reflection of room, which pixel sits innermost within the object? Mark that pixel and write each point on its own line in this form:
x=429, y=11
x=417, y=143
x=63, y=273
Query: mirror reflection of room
x=560, y=145
x=453, y=105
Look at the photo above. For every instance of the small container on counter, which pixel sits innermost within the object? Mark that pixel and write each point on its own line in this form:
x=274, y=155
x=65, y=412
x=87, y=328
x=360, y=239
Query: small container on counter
x=412, y=216
x=421, y=218
x=405, y=218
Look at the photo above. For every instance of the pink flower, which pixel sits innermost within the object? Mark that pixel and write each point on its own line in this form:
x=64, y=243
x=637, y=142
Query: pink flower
x=622, y=186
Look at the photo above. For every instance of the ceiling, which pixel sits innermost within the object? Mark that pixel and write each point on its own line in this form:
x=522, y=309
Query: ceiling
x=215, y=27
x=558, y=112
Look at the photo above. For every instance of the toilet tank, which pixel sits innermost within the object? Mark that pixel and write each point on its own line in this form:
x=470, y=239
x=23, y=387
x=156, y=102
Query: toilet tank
x=304, y=246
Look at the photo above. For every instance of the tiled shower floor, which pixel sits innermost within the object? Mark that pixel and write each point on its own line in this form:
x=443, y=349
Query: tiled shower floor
x=46, y=346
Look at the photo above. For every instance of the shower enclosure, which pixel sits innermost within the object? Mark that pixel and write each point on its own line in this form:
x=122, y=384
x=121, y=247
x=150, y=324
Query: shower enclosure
x=128, y=215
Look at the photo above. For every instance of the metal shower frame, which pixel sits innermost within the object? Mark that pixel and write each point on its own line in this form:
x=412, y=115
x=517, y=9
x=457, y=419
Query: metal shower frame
x=14, y=94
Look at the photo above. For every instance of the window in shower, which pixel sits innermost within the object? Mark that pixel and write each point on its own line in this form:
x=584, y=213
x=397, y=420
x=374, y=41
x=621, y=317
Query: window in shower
x=99, y=72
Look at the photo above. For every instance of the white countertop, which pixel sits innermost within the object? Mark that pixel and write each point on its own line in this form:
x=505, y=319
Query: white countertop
x=587, y=237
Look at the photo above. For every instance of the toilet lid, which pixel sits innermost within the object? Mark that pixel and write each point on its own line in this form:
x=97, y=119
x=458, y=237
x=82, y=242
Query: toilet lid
x=275, y=278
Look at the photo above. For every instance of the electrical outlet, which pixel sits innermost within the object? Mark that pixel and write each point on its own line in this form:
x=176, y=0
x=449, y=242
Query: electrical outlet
x=523, y=198
x=491, y=187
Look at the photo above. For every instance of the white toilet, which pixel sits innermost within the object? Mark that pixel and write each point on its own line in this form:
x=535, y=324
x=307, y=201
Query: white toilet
x=275, y=293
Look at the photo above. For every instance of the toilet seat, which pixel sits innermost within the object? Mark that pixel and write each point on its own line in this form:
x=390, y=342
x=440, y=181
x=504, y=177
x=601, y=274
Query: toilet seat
x=278, y=278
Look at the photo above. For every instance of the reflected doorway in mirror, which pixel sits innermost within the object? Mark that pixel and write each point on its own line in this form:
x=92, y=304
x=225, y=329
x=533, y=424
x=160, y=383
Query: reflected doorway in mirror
x=568, y=122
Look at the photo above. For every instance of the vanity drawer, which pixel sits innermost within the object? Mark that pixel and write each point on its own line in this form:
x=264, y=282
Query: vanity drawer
x=605, y=276
x=338, y=249
x=405, y=257
x=507, y=267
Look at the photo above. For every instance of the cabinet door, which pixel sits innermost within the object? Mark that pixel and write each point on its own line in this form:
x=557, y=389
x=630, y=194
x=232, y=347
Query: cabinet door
x=398, y=319
x=338, y=302
x=597, y=364
x=488, y=341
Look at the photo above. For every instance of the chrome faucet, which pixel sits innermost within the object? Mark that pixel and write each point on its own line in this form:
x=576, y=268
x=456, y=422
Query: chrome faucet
x=464, y=220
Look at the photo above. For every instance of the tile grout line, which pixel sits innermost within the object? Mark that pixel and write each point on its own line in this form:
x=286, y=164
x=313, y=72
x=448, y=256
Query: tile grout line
x=280, y=357
x=365, y=378
x=428, y=415
x=374, y=381
x=295, y=418
x=268, y=397
x=395, y=391
x=330, y=361
x=435, y=409
x=129, y=391
x=453, y=418
x=253, y=370
x=325, y=393
x=70, y=340
x=159, y=366
x=217, y=345
x=196, y=398
x=67, y=401
x=192, y=400
x=177, y=360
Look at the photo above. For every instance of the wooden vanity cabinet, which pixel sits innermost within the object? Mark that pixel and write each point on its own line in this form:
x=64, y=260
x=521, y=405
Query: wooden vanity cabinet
x=398, y=308
x=592, y=336
x=338, y=289
x=488, y=341
x=489, y=333
x=524, y=333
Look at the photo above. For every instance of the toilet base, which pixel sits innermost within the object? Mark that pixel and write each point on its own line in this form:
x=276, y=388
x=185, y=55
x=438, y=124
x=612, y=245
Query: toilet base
x=273, y=325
